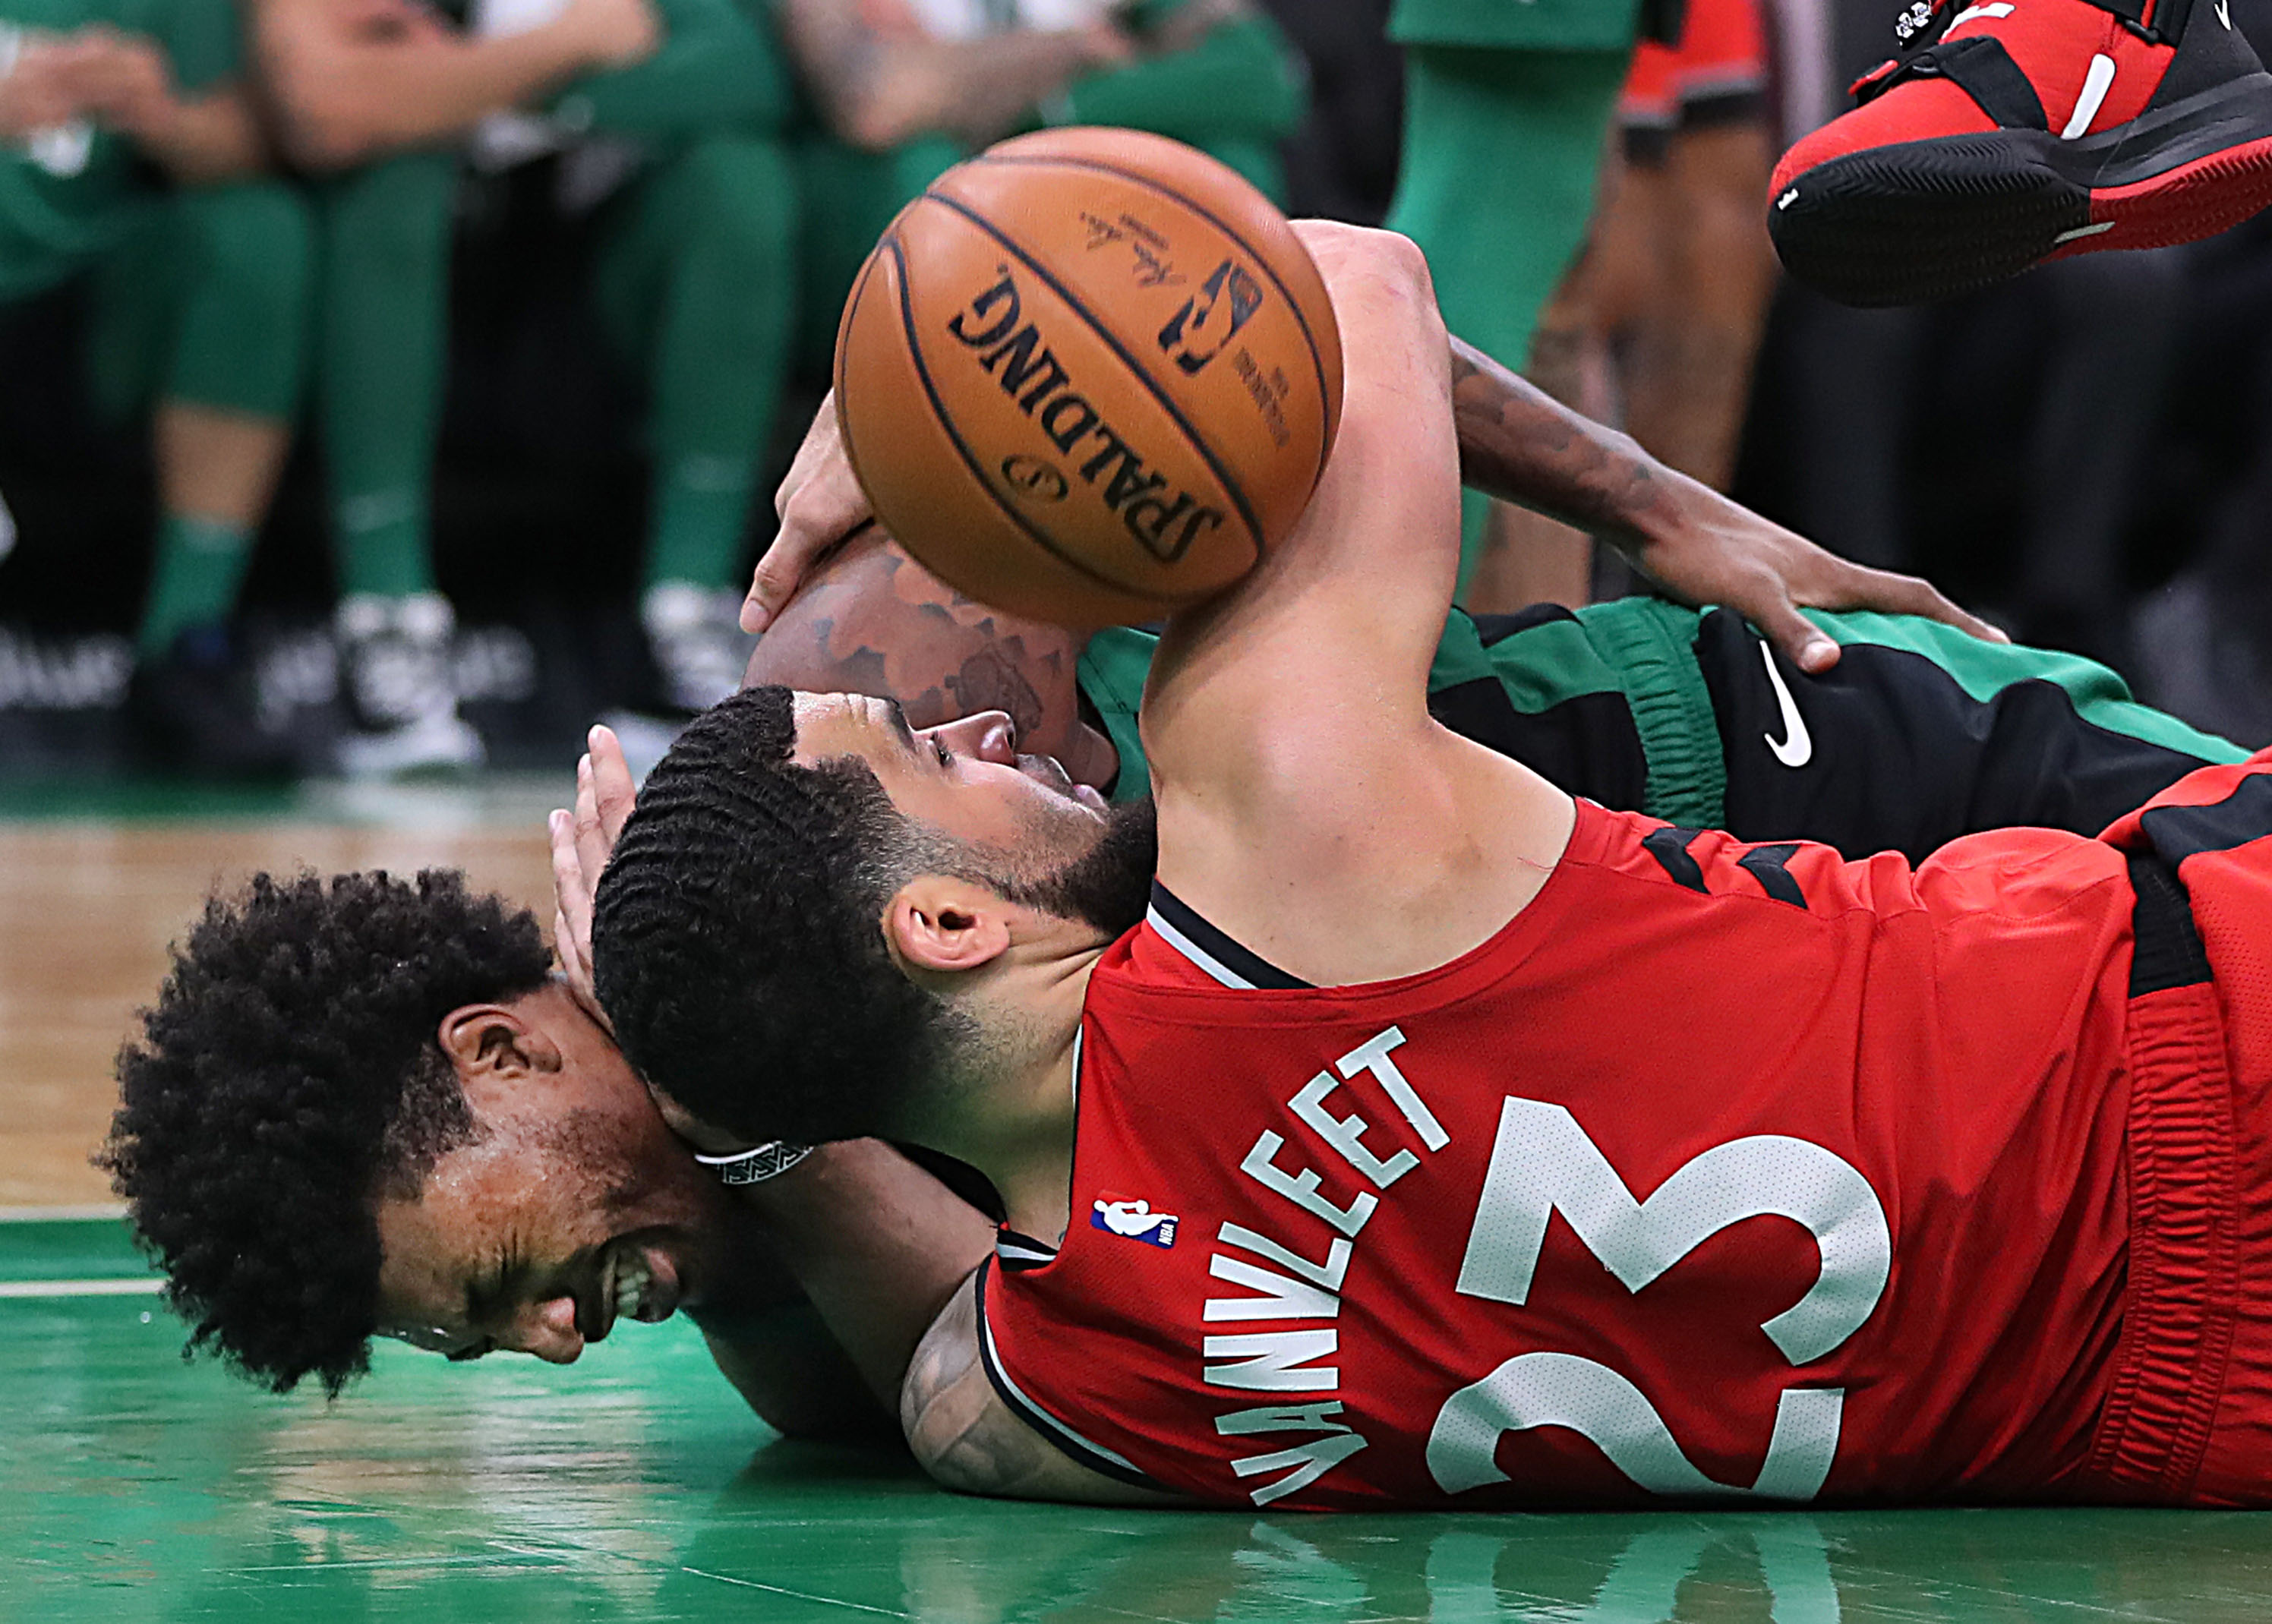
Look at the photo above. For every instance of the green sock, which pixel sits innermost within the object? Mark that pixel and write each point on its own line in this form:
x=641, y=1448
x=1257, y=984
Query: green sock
x=200, y=565
x=382, y=544
x=700, y=504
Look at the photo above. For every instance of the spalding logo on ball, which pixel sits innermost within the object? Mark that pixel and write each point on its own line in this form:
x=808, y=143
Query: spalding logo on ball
x=1089, y=376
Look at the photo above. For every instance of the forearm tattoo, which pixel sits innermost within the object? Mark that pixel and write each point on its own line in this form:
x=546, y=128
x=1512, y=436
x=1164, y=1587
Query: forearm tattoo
x=1521, y=445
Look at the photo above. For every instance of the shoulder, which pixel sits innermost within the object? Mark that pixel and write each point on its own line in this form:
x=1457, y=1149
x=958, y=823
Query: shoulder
x=968, y=1440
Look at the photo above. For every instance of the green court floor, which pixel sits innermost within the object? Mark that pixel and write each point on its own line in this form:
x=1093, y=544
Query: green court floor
x=634, y=1486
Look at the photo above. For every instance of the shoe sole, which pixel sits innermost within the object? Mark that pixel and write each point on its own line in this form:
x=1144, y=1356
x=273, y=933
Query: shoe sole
x=1920, y=221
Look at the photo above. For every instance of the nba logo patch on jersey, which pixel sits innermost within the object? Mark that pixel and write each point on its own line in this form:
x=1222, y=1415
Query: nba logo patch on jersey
x=1133, y=1220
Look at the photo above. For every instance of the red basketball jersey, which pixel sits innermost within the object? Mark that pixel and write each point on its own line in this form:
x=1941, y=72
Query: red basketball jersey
x=1722, y=1170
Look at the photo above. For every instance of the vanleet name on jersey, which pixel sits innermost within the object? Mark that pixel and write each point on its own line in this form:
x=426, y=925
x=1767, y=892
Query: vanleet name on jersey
x=1285, y=1361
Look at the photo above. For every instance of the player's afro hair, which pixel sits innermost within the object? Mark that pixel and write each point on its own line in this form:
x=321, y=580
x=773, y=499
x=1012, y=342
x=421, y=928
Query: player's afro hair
x=734, y=938
x=287, y=1076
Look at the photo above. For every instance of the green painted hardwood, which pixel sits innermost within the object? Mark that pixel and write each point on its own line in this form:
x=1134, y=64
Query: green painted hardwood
x=633, y=1485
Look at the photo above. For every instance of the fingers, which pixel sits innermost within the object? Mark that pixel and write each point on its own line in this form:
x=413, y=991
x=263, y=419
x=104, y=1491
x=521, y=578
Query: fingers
x=1903, y=594
x=820, y=502
x=782, y=570
x=571, y=917
x=823, y=439
x=613, y=791
x=582, y=841
x=1799, y=640
x=593, y=843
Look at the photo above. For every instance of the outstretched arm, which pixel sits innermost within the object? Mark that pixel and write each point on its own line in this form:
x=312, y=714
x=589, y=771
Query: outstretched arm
x=352, y=79
x=1519, y=444
x=876, y=86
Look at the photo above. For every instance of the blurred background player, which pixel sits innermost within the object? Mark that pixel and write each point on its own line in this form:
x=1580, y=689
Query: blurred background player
x=132, y=160
x=1505, y=110
x=521, y=361
x=1657, y=323
x=902, y=90
x=673, y=111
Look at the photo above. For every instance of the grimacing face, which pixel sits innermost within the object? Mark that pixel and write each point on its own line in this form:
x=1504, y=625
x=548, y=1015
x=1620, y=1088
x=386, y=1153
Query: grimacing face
x=572, y=1207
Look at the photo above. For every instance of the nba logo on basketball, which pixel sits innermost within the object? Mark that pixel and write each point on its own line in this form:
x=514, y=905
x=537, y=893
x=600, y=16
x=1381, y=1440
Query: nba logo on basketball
x=1226, y=301
x=1133, y=1220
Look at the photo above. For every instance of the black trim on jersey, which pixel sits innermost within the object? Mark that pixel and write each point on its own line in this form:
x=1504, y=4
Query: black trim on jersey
x=1670, y=847
x=2168, y=951
x=1765, y=863
x=1240, y=961
x=1052, y=1430
x=2179, y=832
x=967, y=1183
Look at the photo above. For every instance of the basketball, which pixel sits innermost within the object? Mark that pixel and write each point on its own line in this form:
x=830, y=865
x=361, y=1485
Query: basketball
x=1089, y=376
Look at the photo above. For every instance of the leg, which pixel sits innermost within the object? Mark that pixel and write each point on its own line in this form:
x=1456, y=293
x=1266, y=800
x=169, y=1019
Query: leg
x=700, y=277
x=1691, y=339
x=382, y=335
x=1235, y=95
x=209, y=313
x=1688, y=369
x=1920, y=734
x=382, y=339
x=1500, y=153
x=853, y=196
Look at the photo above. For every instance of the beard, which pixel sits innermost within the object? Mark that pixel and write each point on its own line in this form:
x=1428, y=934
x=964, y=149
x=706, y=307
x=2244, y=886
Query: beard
x=1110, y=885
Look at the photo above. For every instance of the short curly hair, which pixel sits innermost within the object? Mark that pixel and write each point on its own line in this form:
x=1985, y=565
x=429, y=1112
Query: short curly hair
x=288, y=1076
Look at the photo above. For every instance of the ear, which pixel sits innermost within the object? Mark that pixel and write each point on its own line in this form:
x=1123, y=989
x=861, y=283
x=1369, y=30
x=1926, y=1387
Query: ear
x=496, y=1042
x=946, y=925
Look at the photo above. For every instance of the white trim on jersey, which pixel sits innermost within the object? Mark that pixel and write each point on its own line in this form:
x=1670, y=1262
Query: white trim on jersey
x=1033, y=1411
x=1207, y=962
x=1018, y=1251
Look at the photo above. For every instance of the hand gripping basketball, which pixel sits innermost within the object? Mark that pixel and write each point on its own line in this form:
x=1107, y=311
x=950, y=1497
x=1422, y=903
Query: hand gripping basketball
x=1089, y=376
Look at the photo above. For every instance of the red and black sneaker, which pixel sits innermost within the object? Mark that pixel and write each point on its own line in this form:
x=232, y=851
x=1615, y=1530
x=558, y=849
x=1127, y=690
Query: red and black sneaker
x=2031, y=130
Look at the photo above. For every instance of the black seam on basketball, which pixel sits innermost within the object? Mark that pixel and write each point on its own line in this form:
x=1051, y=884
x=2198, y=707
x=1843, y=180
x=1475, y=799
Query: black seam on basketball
x=1192, y=435
x=837, y=362
x=1262, y=262
x=938, y=412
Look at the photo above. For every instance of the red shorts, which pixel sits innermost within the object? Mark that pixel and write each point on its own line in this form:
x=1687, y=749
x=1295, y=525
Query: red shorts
x=1717, y=73
x=2188, y=1416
